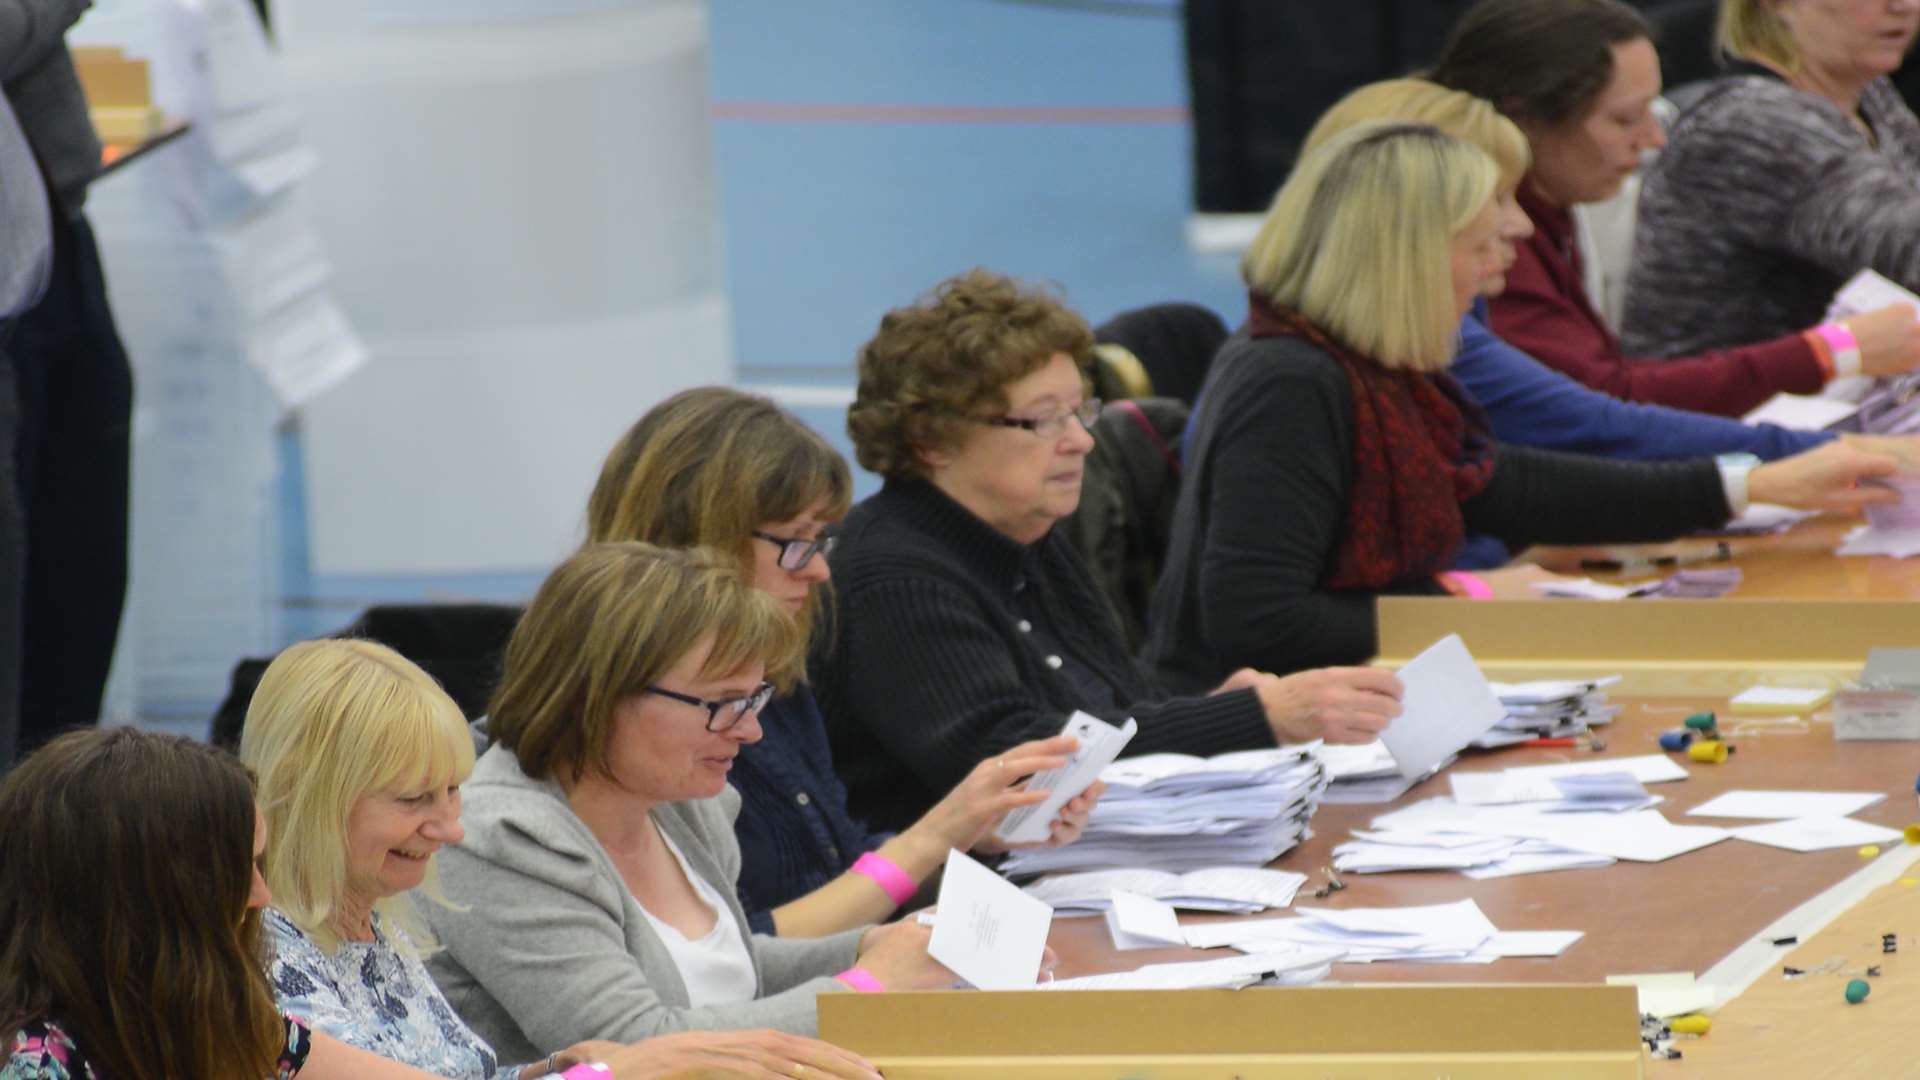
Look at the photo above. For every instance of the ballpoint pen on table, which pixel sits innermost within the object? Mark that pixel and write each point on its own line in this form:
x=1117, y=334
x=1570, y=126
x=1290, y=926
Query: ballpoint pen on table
x=1719, y=552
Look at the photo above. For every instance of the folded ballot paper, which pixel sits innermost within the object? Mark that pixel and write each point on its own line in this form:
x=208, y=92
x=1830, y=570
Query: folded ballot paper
x=1176, y=812
x=1549, y=709
x=1240, y=890
x=1100, y=743
x=1445, y=704
x=1277, y=964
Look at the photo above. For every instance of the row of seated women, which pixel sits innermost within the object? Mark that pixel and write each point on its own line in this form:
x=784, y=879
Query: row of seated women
x=708, y=776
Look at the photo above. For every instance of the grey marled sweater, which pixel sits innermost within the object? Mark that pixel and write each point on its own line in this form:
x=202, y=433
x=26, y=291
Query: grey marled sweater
x=1765, y=202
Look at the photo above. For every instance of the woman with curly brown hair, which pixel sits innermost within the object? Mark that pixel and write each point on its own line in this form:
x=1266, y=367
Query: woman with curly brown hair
x=965, y=623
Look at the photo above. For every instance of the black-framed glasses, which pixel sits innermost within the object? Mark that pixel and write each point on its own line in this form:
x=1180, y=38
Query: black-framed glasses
x=1054, y=426
x=796, y=554
x=725, y=713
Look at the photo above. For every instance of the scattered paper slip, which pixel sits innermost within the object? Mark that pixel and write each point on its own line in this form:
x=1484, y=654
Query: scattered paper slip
x=1801, y=412
x=1646, y=768
x=1668, y=993
x=1783, y=805
x=989, y=932
x=1589, y=589
x=1817, y=834
x=1785, y=699
x=1141, y=922
x=1445, y=704
x=1236, y=889
x=1100, y=743
x=1281, y=965
x=1763, y=518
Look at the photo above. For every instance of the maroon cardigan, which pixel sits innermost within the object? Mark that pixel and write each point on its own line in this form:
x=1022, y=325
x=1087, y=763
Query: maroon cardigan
x=1545, y=313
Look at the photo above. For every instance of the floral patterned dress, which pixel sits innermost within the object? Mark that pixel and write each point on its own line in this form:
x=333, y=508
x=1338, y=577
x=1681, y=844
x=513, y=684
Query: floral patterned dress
x=377, y=996
x=42, y=1050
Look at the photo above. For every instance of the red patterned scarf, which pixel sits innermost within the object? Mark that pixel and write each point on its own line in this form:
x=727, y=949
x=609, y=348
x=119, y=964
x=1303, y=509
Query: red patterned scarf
x=1421, y=447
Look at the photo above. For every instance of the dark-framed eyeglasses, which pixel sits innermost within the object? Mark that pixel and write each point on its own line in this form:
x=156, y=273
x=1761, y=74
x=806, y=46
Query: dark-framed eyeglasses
x=1054, y=425
x=725, y=713
x=796, y=554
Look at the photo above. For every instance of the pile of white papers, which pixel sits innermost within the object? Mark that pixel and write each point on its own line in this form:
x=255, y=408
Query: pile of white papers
x=1365, y=773
x=1175, y=812
x=1549, y=709
x=1237, y=889
x=1457, y=933
x=1529, y=820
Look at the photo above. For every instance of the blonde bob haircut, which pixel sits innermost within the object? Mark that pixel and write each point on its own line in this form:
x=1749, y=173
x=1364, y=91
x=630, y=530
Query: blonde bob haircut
x=333, y=721
x=608, y=623
x=1752, y=30
x=1418, y=101
x=707, y=467
x=1358, y=240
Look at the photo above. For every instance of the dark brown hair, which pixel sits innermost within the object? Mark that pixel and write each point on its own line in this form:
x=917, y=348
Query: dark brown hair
x=128, y=862
x=1538, y=60
x=944, y=362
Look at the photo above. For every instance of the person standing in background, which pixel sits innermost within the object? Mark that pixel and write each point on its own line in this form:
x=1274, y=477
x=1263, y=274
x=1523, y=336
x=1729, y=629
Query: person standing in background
x=26, y=260
x=71, y=446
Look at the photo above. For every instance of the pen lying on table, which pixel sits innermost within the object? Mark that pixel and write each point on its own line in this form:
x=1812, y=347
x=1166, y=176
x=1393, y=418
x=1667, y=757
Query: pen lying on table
x=1719, y=552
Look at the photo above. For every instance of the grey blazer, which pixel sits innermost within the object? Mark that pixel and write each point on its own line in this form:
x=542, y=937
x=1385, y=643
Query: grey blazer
x=551, y=948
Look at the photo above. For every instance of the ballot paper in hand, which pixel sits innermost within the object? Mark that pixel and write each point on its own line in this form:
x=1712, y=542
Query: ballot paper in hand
x=1445, y=703
x=1100, y=743
x=989, y=932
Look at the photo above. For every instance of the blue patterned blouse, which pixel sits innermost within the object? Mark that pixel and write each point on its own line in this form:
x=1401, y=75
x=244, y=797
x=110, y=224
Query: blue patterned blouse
x=377, y=996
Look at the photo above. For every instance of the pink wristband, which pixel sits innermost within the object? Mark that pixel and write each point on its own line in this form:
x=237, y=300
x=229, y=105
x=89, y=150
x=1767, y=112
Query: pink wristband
x=1846, y=347
x=587, y=1070
x=862, y=980
x=1469, y=585
x=884, y=873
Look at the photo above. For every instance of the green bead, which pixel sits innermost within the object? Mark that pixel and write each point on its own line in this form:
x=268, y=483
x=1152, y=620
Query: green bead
x=1857, y=991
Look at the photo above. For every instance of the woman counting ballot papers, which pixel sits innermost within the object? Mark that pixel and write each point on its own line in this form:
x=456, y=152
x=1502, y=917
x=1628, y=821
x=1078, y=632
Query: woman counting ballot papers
x=718, y=468
x=130, y=934
x=1332, y=457
x=964, y=622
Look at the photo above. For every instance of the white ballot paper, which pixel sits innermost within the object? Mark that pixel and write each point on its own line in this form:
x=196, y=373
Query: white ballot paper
x=1100, y=743
x=1141, y=922
x=1817, y=834
x=1786, y=805
x=1446, y=704
x=989, y=932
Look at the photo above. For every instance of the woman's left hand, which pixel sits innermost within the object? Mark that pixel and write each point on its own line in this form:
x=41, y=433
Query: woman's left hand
x=1066, y=828
x=582, y=1052
x=1836, y=476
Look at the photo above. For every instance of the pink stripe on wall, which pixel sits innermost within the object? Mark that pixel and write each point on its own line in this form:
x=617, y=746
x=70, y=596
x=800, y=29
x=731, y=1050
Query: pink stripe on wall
x=774, y=112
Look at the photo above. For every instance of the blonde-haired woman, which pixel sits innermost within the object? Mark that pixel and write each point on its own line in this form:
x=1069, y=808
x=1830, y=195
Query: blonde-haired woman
x=600, y=823
x=1527, y=403
x=361, y=756
x=714, y=467
x=1798, y=167
x=1333, y=459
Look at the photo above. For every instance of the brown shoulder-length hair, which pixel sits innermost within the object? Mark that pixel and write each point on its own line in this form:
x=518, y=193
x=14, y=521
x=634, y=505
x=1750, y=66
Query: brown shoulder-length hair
x=606, y=624
x=128, y=862
x=1544, y=61
x=940, y=365
x=707, y=467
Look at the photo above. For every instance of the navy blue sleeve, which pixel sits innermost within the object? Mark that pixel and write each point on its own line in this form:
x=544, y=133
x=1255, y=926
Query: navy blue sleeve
x=1533, y=405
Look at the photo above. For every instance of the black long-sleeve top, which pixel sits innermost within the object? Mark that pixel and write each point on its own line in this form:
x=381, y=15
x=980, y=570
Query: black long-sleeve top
x=953, y=642
x=1263, y=503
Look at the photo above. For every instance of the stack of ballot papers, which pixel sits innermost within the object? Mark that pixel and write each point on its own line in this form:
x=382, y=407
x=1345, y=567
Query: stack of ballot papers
x=1237, y=889
x=1456, y=933
x=1364, y=773
x=1175, y=812
x=1531, y=820
x=1549, y=709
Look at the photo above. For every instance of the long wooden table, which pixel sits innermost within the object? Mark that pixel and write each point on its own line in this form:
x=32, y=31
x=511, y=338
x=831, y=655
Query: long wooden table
x=1684, y=914
x=1797, y=564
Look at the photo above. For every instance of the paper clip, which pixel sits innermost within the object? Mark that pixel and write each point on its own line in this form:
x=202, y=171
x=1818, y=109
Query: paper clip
x=1333, y=885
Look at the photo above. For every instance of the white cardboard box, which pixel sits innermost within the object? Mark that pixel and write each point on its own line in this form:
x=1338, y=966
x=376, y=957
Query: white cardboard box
x=1885, y=703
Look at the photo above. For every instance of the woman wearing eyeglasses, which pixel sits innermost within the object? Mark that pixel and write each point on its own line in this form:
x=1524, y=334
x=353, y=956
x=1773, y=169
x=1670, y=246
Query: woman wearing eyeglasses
x=718, y=468
x=597, y=871
x=964, y=622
